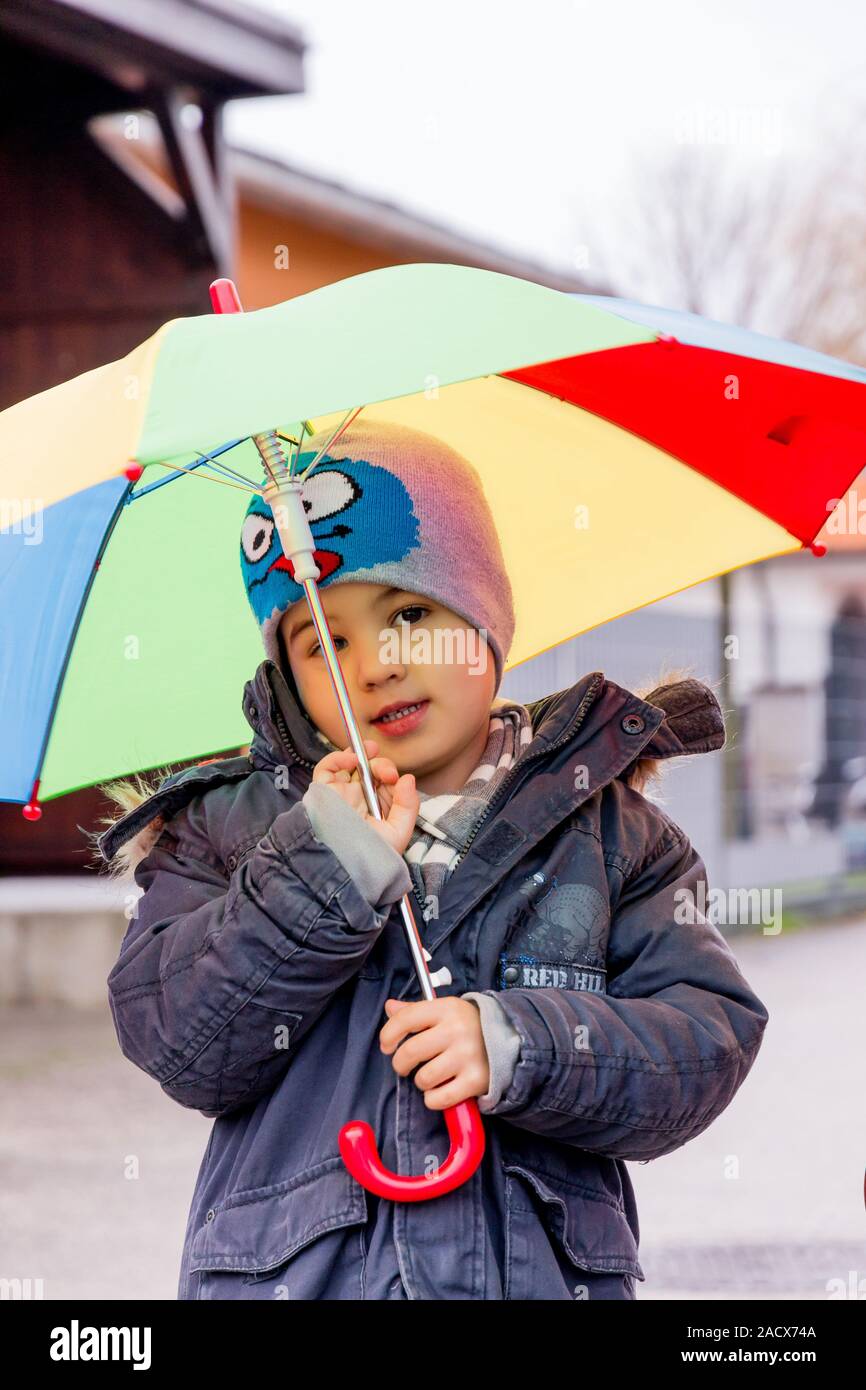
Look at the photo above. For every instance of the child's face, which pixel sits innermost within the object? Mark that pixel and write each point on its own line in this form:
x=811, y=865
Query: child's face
x=397, y=648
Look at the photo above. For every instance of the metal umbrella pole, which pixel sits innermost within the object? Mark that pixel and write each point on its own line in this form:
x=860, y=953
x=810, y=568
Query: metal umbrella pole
x=357, y=1141
x=283, y=493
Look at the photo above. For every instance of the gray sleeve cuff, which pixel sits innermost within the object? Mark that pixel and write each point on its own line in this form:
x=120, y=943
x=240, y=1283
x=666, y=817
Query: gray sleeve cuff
x=502, y=1043
x=380, y=873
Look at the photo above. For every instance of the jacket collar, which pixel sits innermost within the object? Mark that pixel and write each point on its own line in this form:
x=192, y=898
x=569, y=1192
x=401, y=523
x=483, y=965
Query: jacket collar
x=594, y=725
x=281, y=727
x=596, y=729
x=635, y=727
x=679, y=716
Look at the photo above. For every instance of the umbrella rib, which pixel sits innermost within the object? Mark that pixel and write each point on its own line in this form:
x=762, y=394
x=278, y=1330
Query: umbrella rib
x=245, y=485
x=293, y=462
x=194, y=474
x=334, y=437
x=203, y=458
x=232, y=472
x=306, y=428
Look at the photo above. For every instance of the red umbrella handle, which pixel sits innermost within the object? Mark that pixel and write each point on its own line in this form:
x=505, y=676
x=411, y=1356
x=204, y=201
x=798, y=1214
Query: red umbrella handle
x=361, y=1157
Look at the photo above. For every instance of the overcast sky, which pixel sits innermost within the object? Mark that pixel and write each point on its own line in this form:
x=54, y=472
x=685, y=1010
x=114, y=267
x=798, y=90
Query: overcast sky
x=516, y=122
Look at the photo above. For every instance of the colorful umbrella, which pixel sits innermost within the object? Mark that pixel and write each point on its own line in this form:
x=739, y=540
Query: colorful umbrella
x=614, y=440
x=622, y=463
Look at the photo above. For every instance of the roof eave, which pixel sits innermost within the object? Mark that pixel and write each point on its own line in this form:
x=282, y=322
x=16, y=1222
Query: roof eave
x=224, y=48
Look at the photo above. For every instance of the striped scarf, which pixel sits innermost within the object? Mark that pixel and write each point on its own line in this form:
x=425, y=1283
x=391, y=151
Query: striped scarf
x=446, y=821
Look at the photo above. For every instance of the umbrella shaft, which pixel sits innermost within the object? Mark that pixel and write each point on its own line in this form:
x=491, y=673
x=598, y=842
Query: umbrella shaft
x=323, y=633
x=283, y=495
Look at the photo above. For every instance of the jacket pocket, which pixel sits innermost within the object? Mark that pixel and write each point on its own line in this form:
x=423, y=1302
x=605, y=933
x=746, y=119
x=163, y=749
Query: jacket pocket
x=299, y=1239
x=563, y=1242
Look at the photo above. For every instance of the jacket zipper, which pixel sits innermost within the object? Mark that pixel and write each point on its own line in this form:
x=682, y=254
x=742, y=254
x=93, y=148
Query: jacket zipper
x=523, y=763
x=287, y=739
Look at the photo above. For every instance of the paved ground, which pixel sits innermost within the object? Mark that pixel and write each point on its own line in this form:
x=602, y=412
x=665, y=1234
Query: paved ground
x=98, y=1166
x=768, y=1202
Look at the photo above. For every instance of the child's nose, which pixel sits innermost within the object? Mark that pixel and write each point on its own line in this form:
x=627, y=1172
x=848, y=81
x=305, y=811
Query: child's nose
x=378, y=659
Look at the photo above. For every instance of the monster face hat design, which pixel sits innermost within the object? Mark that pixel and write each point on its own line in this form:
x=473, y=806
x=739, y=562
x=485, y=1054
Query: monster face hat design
x=386, y=505
x=333, y=499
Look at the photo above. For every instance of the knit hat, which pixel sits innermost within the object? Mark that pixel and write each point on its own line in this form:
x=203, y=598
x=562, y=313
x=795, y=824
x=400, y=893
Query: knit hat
x=386, y=505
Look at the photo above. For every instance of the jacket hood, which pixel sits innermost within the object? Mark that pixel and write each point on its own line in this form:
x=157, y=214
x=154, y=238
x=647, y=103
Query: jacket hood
x=678, y=715
x=691, y=721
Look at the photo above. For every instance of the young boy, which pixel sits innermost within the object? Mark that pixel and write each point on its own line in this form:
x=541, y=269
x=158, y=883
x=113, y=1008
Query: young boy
x=265, y=981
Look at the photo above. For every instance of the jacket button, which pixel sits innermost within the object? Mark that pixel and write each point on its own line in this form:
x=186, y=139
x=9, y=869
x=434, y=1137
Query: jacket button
x=211, y=1214
x=510, y=974
x=633, y=723
x=254, y=712
x=232, y=862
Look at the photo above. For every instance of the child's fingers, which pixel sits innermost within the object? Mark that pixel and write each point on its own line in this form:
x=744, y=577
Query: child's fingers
x=381, y=769
x=343, y=760
x=398, y=797
x=405, y=805
x=345, y=757
x=384, y=772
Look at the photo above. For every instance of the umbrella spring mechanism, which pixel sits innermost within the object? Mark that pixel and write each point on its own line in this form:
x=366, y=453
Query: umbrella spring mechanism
x=270, y=449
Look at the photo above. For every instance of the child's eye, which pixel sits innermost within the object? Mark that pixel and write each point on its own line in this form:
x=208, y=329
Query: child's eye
x=412, y=608
x=315, y=650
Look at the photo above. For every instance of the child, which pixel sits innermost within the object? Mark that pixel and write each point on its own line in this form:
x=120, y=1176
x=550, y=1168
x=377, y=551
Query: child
x=265, y=979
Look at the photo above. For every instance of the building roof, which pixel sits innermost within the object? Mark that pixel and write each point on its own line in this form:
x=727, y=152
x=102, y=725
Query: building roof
x=222, y=46
x=347, y=211
x=279, y=184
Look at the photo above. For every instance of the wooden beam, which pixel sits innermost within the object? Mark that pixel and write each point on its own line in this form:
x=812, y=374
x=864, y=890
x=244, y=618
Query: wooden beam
x=201, y=177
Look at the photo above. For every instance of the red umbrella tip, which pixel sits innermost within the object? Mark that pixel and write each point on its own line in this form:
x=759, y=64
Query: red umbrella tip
x=817, y=548
x=668, y=339
x=31, y=811
x=224, y=297
x=133, y=472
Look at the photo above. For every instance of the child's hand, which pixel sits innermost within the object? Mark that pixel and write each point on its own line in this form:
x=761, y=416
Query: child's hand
x=448, y=1038
x=398, y=796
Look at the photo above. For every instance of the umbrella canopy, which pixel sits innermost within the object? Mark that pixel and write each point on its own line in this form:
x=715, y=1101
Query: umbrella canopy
x=627, y=452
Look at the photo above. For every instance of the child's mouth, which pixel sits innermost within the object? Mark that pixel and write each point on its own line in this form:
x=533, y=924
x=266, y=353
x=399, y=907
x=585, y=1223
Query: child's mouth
x=402, y=723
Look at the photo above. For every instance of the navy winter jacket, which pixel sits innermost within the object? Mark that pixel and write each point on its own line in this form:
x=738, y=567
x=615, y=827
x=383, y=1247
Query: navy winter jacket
x=252, y=979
